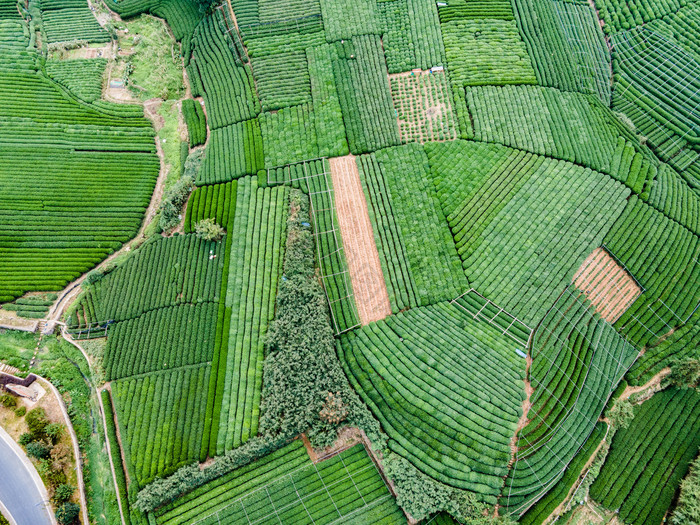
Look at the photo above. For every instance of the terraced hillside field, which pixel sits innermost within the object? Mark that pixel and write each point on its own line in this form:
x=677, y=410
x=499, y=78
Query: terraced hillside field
x=354, y=261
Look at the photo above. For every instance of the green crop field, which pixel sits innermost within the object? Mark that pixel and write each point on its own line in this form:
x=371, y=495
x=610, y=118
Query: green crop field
x=355, y=261
x=649, y=458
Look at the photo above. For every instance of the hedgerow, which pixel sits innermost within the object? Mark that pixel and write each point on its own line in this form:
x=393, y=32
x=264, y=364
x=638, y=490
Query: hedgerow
x=228, y=89
x=687, y=509
x=275, y=484
x=216, y=202
x=256, y=253
x=164, y=272
x=656, y=95
x=412, y=37
x=365, y=96
x=564, y=39
x=672, y=195
x=416, y=249
x=343, y=19
x=232, y=152
x=327, y=115
x=660, y=254
x=161, y=419
x=483, y=52
x=163, y=338
x=577, y=362
x=681, y=344
x=82, y=77
x=70, y=20
x=289, y=135
x=89, y=175
x=563, y=125
x=544, y=508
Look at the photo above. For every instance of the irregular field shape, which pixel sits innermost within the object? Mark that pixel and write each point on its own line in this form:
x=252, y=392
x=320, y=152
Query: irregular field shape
x=447, y=390
x=285, y=487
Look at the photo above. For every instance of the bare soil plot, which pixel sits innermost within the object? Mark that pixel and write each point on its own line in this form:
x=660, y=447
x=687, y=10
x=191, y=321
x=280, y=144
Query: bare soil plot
x=361, y=252
x=609, y=287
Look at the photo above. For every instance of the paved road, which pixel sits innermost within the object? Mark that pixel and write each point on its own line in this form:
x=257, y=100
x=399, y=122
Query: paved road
x=21, y=490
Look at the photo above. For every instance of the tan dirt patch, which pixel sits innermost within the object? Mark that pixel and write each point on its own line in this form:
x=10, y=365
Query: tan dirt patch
x=607, y=285
x=368, y=283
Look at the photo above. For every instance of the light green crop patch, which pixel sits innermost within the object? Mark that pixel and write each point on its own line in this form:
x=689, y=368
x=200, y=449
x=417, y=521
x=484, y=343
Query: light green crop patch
x=481, y=52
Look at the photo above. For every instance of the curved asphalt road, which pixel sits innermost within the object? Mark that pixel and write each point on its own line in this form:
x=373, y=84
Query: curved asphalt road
x=21, y=491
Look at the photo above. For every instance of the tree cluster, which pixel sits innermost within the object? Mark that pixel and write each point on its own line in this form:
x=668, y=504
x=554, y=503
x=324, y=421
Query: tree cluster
x=43, y=443
x=301, y=366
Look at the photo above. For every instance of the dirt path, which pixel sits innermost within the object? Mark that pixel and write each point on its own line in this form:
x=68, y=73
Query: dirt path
x=358, y=240
x=523, y=421
x=560, y=508
x=68, y=295
x=652, y=383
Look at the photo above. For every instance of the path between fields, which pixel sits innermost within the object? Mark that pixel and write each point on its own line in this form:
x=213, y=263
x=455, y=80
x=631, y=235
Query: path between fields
x=69, y=293
x=574, y=487
x=630, y=390
x=652, y=383
x=366, y=274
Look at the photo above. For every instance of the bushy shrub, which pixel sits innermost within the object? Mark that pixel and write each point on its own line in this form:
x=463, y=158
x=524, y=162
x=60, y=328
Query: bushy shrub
x=685, y=373
x=36, y=421
x=93, y=276
x=688, y=509
x=38, y=450
x=208, y=230
x=68, y=513
x=8, y=401
x=21, y=411
x=63, y=493
x=173, y=201
x=54, y=431
x=422, y=496
x=621, y=414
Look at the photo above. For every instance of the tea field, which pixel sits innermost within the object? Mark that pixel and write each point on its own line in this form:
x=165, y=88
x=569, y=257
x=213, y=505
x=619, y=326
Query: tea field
x=362, y=261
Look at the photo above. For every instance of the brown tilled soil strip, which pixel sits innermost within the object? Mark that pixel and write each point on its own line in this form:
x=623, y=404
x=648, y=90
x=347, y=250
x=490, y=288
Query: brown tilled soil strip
x=361, y=252
x=606, y=284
